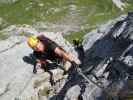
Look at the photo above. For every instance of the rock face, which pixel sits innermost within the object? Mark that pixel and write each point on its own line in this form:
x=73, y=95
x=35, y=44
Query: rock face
x=109, y=49
x=107, y=63
x=17, y=79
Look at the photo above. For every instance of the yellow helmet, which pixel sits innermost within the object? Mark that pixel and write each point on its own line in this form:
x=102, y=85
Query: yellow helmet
x=32, y=41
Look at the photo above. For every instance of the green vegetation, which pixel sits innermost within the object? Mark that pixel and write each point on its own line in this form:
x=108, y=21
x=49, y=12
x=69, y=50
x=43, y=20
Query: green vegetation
x=91, y=12
x=28, y=11
x=3, y=36
x=74, y=35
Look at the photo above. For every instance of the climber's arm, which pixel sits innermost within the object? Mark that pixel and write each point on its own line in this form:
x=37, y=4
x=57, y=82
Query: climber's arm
x=65, y=55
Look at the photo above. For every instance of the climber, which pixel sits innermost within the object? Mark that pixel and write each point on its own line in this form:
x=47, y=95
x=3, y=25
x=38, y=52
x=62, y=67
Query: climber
x=45, y=50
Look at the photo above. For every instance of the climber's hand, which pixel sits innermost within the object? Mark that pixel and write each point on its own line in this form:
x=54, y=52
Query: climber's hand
x=38, y=65
x=74, y=64
x=77, y=61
